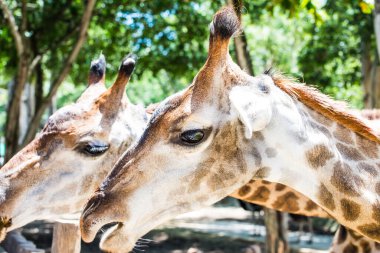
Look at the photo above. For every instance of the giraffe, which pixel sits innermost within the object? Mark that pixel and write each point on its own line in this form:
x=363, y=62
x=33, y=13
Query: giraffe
x=205, y=142
x=55, y=174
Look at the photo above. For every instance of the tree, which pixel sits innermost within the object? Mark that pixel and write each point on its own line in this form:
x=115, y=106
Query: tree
x=342, y=63
x=28, y=32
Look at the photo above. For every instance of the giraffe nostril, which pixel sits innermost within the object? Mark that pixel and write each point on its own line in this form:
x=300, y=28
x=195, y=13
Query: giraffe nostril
x=93, y=203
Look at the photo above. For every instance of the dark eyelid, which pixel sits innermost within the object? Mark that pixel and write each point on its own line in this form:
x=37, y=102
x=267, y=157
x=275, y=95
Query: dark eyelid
x=84, y=147
x=176, y=139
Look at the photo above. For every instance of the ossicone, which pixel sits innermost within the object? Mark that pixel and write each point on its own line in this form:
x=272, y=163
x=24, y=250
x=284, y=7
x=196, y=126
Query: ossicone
x=97, y=70
x=128, y=64
x=225, y=23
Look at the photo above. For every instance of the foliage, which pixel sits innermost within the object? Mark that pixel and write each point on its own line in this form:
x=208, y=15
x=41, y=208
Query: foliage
x=169, y=38
x=331, y=57
x=317, y=43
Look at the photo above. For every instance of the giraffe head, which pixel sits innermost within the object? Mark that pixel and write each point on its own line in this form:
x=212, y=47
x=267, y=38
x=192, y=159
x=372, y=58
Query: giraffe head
x=56, y=173
x=204, y=143
x=181, y=152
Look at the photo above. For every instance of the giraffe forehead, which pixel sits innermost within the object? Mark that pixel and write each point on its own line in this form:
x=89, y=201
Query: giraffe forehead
x=68, y=116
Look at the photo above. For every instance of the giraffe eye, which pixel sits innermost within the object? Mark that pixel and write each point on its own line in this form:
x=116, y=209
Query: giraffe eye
x=192, y=137
x=94, y=148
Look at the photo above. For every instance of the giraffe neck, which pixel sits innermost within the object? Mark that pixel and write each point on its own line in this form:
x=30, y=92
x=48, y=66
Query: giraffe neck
x=333, y=166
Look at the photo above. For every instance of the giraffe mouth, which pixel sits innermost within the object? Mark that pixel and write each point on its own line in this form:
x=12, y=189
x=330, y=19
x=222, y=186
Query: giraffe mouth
x=5, y=223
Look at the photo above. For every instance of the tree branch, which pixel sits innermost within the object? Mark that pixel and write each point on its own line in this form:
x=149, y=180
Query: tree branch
x=60, y=41
x=376, y=21
x=241, y=46
x=35, y=61
x=24, y=18
x=13, y=27
x=34, y=124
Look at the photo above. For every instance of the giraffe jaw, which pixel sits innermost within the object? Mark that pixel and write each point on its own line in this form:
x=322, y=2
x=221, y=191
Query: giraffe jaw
x=124, y=236
x=115, y=240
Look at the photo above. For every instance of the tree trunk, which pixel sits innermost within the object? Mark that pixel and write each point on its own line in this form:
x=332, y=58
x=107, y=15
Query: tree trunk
x=242, y=53
x=275, y=223
x=370, y=68
x=26, y=110
x=375, y=73
x=377, y=25
x=66, y=238
x=366, y=74
x=39, y=80
x=375, y=76
x=13, y=110
x=241, y=48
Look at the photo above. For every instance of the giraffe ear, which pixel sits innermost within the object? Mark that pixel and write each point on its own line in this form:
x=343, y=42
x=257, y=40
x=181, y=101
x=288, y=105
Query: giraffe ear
x=252, y=107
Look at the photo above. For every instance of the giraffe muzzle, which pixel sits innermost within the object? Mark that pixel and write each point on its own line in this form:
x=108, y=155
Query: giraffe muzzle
x=95, y=216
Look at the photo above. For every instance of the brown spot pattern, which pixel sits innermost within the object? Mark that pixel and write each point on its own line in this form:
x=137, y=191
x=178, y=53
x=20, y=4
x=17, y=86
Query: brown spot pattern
x=350, y=248
x=321, y=128
x=265, y=182
x=350, y=209
x=369, y=148
x=326, y=197
x=368, y=168
x=354, y=235
x=349, y=152
x=377, y=188
x=345, y=180
x=323, y=120
x=279, y=187
x=376, y=212
x=270, y=152
x=258, y=136
x=371, y=230
x=310, y=206
x=244, y=190
x=318, y=155
x=261, y=194
x=200, y=174
x=344, y=135
x=365, y=247
x=216, y=181
x=48, y=144
x=288, y=202
x=263, y=172
x=256, y=155
x=342, y=235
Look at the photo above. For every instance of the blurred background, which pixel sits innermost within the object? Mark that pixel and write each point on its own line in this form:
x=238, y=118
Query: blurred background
x=45, y=54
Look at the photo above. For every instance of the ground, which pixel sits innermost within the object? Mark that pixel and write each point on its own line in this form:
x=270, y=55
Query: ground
x=210, y=230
